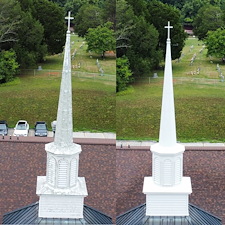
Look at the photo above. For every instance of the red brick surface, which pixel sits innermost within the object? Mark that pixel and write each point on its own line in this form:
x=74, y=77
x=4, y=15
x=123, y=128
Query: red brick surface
x=114, y=177
x=205, y=166
x=22, y=162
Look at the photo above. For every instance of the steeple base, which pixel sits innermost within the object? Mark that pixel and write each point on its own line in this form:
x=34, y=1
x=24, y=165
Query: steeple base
x=167, y=201
x=61, y=203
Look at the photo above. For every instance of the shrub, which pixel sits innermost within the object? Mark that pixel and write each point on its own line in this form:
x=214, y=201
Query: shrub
x=8, y=66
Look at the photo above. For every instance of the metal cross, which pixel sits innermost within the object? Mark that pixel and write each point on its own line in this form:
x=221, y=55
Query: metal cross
x=168, y=27
x=69, y=18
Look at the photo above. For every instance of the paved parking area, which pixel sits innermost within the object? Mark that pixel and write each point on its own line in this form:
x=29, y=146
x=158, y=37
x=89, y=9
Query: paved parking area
x=82, y=134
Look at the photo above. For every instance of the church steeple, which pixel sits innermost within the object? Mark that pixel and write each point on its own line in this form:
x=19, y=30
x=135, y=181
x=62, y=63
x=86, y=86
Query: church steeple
x=61, y=191
x=64, y=131
x=167, y=190
x=167, y=136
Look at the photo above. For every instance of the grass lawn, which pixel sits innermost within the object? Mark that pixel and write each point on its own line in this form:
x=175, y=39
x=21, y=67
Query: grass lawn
x=206, y=64
x=86, y=60
x=35, y=98
x=200, y=108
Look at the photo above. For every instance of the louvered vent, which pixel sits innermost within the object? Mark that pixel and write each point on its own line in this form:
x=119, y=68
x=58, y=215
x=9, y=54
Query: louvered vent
x=156, y=170
x=178, y=171
x=167, y=172
x=51, y=171
x=62, y=174
x=73, y=172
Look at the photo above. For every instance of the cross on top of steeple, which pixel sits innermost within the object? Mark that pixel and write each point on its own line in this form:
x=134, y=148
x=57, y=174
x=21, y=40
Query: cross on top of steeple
x=168, y=27
x=69, y=18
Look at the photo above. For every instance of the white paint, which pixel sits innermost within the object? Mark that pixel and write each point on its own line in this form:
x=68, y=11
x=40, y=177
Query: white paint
x=167, y=201
x=167, y=164
x=167, y=135
x=167, y=190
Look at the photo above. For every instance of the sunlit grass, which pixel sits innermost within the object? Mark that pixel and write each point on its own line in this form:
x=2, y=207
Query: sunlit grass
x=33, y=96
x=200, y=112
x=200, y=108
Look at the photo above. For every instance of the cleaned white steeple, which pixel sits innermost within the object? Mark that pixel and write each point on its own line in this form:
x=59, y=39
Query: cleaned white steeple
x=167, y=190
x=61, y=191
x=167, y=136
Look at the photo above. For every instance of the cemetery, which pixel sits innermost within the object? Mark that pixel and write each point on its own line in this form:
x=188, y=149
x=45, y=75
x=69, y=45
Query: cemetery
x=199, y=96
x=36, y=90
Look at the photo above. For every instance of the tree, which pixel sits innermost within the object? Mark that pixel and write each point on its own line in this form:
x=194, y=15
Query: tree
x=190, y=10
x=74, y=5
x=61, y=3
x=8, y=66
x=139, y=7
x=51, y=16
x=101, y=39
x=215, y=43
x=178, y=4
x=209, y=18
x=125, y=23
x=123, y=73
x=26, y=5
x=10, y=18
x=159, y=14
x=88, y=16
x=143, y=54
x=109, y=12
x=30, y=47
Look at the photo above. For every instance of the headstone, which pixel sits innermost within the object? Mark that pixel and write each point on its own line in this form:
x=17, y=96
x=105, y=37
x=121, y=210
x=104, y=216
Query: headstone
x=101, y=72
x=39, y=68
x=155, y=75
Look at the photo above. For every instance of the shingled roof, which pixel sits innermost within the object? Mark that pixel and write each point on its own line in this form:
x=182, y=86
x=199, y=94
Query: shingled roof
x=29, y=215
x=197, y=217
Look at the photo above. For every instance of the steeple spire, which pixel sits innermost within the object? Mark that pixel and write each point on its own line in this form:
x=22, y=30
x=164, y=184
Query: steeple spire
x=167, y=190
x=167, y=136
x=61, y=191
x=64, y=129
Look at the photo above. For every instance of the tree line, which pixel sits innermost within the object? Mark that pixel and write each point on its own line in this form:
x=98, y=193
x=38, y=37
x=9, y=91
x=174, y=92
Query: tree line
x=141, y=36
x=32, y=29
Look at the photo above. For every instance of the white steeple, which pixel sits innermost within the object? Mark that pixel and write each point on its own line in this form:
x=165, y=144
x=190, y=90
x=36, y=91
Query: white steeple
x=61, y=191
x=167, y=136
x=167, y=190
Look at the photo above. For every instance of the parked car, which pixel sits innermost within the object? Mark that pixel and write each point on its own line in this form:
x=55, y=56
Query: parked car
x=3, y=127
x=41, y=129
x=21, y=128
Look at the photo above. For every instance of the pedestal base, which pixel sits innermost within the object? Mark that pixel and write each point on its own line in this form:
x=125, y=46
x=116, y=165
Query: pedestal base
x=61, y=203
x=167, y=201
x=54, y=206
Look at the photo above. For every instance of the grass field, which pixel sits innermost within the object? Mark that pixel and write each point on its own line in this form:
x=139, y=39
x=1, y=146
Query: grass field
x=206, y=64
x=200, y=108
x=86, y=60
x=35, y=98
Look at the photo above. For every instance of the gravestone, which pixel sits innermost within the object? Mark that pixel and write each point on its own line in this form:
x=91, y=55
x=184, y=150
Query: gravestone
x=39, y=68
x=155, y=75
